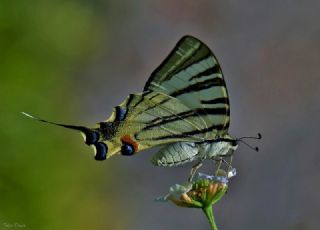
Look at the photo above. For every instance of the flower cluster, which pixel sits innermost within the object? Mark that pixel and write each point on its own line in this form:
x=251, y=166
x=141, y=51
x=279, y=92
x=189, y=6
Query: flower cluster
x=202, y=192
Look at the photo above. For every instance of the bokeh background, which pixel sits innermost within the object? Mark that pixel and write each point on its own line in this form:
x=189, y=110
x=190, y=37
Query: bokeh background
x=73, y=61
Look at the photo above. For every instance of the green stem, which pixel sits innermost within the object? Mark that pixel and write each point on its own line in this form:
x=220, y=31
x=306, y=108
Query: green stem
x=209, y=214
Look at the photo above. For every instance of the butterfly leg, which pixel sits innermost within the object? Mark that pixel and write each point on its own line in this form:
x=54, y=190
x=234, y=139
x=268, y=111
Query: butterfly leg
x=230, y=163
x=194, y=170
x=219, y=171
x=226, y=163
x=222, y=165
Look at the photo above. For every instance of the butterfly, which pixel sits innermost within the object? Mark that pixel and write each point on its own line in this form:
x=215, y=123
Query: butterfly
x=184, y=108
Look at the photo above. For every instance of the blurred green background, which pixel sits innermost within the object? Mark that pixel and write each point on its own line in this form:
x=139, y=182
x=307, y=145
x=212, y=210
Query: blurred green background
x=46, y=179
x=73, y=61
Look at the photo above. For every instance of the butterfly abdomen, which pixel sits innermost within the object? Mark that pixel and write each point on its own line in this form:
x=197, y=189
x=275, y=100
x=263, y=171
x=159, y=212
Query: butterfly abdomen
x=176, y=154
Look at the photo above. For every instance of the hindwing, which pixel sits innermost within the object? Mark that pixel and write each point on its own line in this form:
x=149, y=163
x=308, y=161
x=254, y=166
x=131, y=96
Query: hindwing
x=151, y=119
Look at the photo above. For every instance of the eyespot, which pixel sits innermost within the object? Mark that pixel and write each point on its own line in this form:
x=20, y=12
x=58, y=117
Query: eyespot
x=101, y=151
x=120, y=113
x=129, y=146
x=127, y=149
x=91, y=137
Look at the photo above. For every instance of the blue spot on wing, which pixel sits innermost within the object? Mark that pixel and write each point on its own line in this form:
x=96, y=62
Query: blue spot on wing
x=120, y=113
x=101, y=151
x=127, y=150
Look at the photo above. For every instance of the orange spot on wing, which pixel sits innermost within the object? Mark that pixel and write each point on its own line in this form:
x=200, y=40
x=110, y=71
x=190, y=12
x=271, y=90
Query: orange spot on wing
x=128, y=140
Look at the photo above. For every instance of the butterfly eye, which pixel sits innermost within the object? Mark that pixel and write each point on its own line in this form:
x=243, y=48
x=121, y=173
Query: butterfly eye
x=234, y=143
x=127, y=150
x=101, y=151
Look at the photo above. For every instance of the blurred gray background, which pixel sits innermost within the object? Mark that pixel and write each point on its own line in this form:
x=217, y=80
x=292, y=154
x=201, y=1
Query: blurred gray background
x=269, y=52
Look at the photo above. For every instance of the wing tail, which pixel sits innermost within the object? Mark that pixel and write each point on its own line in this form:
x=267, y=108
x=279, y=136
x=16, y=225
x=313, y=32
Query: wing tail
x=91, y=136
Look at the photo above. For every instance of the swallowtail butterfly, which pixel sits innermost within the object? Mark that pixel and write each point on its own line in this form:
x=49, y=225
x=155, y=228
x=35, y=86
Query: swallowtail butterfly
x=184, y=107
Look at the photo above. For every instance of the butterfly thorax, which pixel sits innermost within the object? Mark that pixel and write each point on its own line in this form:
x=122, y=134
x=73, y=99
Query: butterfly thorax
x=219, y=147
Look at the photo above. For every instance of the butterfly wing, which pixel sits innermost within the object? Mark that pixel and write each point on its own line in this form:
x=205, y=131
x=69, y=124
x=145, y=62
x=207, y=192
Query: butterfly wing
x=192, y=74
x=184, y=100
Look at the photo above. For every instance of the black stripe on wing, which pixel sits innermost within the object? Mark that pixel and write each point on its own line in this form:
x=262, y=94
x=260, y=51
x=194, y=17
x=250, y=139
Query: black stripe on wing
x=170, y=58
x=187, y=134
x=213, y=70
x=219, y=100
x=184, y=115
x=144, y=94
x=217, y=81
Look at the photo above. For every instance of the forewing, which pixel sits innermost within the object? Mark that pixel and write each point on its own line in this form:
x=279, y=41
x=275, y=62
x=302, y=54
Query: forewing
x=192, y=74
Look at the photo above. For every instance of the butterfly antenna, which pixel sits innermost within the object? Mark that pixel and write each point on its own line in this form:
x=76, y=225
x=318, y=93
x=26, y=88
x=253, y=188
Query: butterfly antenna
x=250, y=146
x=257, y=138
